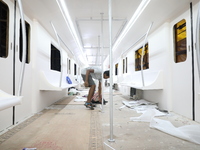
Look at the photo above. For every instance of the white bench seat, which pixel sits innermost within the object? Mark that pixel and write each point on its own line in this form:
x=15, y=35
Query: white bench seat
x=7, y=100
x=51, y=83
x=152, y=80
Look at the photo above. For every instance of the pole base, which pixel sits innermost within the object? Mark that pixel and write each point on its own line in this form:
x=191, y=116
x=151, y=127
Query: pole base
x=111, y=140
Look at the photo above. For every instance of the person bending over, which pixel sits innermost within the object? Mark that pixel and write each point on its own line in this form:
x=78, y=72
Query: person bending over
x=90, y=73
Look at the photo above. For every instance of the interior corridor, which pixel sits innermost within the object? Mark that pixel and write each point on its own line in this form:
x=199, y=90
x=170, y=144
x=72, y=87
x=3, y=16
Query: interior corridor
x=69, y=125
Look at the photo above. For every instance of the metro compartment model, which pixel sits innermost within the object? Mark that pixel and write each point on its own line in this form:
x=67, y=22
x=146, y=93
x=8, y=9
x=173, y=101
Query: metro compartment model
x=151, y=47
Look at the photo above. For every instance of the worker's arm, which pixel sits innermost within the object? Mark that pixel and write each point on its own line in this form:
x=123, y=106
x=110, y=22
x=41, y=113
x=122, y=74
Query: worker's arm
x=87, y=76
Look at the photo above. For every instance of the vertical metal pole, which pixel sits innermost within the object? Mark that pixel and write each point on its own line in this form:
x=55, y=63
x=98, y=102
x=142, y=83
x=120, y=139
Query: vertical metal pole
x=102, y=68
x=58, y=39
x=143, y=53
x=14, y=42
x=98, y=53
x=192, y=50
x=198, y=40
x=21, y=78
x=111, y=73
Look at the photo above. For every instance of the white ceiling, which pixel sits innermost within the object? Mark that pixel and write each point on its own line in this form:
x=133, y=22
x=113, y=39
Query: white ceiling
x=86, y=16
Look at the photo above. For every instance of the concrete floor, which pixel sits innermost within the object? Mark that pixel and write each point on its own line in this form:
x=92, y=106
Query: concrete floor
x=129, y=135
x=68, y=125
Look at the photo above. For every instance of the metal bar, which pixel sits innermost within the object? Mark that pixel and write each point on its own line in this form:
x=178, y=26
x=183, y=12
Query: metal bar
x=111, y=73
x=65, y=45
x=102, y=68
x=79, y=32
x=77, y=60
x=192, y=50
x=91, y=19
x=14, y=50
x=97, y=54
x=120, y=31
x=21, y=78
x=133, y=44
x=198, y=40
x=93, y=47
x=142, y=74
x=59, y=47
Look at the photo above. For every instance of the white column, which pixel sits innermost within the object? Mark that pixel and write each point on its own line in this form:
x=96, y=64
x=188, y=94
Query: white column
x=102, y=68
x=111, y=73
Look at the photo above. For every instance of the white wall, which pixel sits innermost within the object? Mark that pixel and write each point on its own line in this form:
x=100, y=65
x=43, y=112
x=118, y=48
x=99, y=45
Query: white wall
x=160, y=59
x=41, y=57
x=34, y=99
x=6, y=79
x=177, y=92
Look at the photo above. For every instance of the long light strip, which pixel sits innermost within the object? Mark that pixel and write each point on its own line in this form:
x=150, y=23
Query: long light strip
x=134, y=18
x=63, y=8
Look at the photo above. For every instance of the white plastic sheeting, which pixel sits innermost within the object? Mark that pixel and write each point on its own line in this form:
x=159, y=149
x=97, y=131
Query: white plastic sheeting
x=80, y=99
x=7, y=100
x=148, y=115
x=188, y=132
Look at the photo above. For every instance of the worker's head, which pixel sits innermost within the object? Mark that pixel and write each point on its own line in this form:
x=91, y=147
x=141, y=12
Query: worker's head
x=106, y=74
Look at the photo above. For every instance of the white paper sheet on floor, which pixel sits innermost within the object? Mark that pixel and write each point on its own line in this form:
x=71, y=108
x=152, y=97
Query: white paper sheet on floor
x=80, y=99
x=148, y=115
x=188, y=132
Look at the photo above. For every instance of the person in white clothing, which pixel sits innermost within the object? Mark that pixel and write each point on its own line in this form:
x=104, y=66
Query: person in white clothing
x=88, y=74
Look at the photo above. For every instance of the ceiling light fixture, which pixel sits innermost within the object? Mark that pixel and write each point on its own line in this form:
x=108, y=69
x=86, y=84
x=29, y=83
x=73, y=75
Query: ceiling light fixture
x=63, y=8
x=133, y=19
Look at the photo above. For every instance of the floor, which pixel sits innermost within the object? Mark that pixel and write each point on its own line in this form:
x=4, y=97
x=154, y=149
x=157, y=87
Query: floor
x=68, y=125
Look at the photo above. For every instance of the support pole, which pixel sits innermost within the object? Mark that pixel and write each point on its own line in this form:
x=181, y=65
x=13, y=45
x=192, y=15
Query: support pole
x=193, y=76
x=102, y=68
x=198, y=40
x=111, y=73
x=98, y=53
x=21, y=78
x=145, y=39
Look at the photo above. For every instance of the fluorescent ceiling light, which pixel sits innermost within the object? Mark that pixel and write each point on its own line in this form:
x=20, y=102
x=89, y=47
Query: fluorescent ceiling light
x=63, y=8
x=133, y=19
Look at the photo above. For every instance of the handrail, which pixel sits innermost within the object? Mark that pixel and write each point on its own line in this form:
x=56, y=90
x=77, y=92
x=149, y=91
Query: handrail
x=77, y=60
x=143, y=53
x=133, y=44
x=61, y=73
x=111, y=72
x=24, y=48
x=101, y=52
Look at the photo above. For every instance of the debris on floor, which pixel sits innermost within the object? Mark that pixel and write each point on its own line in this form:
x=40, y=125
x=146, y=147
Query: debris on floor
x=139, y=105
x=188, y=132
x=73, y=91
x=150, y=111
x=148, y=115
x=80, y=99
